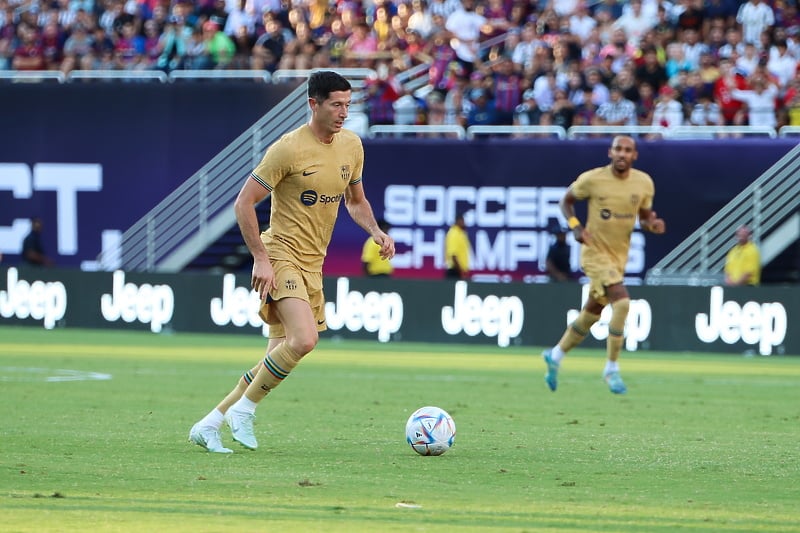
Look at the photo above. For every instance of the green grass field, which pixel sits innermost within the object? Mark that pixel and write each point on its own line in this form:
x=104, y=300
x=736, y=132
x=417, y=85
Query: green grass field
x=699, y=443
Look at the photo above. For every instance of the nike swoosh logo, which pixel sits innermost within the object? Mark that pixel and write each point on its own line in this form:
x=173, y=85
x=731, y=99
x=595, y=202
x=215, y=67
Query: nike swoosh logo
x=320, y=322
x=307, y=173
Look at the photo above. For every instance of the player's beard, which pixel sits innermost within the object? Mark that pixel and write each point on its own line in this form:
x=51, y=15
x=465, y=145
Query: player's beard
x=621, y=166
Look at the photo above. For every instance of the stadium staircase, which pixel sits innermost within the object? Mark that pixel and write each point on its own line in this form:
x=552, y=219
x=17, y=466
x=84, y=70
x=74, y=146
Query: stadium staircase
x=194, y=227
x=769, y=206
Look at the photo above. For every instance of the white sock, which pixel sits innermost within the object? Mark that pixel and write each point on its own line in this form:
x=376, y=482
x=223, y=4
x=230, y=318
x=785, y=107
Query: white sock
x=557, y=354
x=245, y=405
x=611, y=366
x=213, y=419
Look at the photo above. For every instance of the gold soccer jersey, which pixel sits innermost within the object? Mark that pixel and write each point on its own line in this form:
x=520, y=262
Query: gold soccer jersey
x=613, y=205
x=307, y=180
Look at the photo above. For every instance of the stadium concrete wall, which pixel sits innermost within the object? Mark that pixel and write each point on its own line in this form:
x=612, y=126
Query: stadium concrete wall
x=693, y=319
x=91, y=158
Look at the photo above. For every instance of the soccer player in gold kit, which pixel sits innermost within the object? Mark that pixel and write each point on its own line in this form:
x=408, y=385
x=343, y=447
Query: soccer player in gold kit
x=617, y=194
x=307, y=173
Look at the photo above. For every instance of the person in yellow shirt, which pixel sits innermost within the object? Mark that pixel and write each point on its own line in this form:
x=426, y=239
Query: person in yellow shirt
x=457, y=249
x=617, y=195
x=743, y=262
x=371, y=261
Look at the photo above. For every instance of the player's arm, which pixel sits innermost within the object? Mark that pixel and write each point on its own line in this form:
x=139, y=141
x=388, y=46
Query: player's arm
x=567, y=205
x=251, y=193
x=360, y=210
x=649, y=221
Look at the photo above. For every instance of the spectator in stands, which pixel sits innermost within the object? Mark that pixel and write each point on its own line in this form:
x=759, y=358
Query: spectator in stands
x=334, y=44
x=728, y=81
x=705, y=112
x=668, y=112
x=635, y=23
x=239, y=15
x=406, y=109
x=32, y=247
x=29, y=54
x=692, y=17
x=594, y=83
x=782, y=64
x=581, y=23
x=747, y=63
x=528, y=113
x=420, y=19
x=645, y=105
x=77, y=45
x=381, y=94
x=466, y=27
x=693, y=47
x=243, y=54
x=724, y=10
x=456, y=104
x=507, y=90
x=173, y=44
x=562, y=113
x=676, y=61
x=52, y=41
x=129, y=46
x=361, y=44
x=618, y=111
x=743, y=261
x=482, y=112
x=755, y=16
x=444, y=8
x=760, y=103
x=299, y=52
x=219, y=48
x=651, y=71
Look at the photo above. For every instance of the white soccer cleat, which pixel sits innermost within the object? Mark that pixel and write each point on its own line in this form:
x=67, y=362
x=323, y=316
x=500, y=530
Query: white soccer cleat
x=207, y=437
x=241, y=425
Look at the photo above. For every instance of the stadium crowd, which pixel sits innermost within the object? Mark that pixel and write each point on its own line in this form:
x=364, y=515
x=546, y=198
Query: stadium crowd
x=493, y=62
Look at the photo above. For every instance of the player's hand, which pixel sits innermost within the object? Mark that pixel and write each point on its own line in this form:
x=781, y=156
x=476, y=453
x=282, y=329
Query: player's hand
x=263, y=278
x=582, y=236
x=655, y=224
x=386, y=243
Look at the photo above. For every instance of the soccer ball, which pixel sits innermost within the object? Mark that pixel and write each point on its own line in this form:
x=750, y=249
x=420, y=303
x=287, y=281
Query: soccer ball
x=430, y=431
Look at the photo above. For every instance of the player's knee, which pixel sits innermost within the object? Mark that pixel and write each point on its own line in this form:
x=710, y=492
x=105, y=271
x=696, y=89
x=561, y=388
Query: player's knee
x=621, y=306
x=304, y=343
x=584, y=321
x=619, y=312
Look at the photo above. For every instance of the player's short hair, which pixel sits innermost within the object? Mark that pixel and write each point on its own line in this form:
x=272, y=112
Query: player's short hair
x=322, y=83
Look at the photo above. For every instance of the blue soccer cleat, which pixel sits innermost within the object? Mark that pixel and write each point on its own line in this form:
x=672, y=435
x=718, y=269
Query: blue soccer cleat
x=551, y=376
x=615, y=383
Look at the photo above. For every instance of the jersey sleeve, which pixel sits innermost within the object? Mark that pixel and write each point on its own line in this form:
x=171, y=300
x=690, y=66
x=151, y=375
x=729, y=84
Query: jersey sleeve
x=274, y=166
x=581, y=187
x=358, y=165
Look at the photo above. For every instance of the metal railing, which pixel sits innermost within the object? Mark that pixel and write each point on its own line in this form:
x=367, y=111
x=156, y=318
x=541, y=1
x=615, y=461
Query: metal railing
x=517, y=131
x=196, y=214
x=421, y=130
x=769, y=206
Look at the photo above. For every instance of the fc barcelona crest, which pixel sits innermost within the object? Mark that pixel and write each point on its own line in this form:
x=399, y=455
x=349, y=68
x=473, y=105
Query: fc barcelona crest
x=345, y=169
x=635, y=199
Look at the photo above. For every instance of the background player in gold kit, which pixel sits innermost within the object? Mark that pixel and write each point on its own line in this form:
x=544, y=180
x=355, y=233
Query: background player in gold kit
x=617, y=194
x=307, y=173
